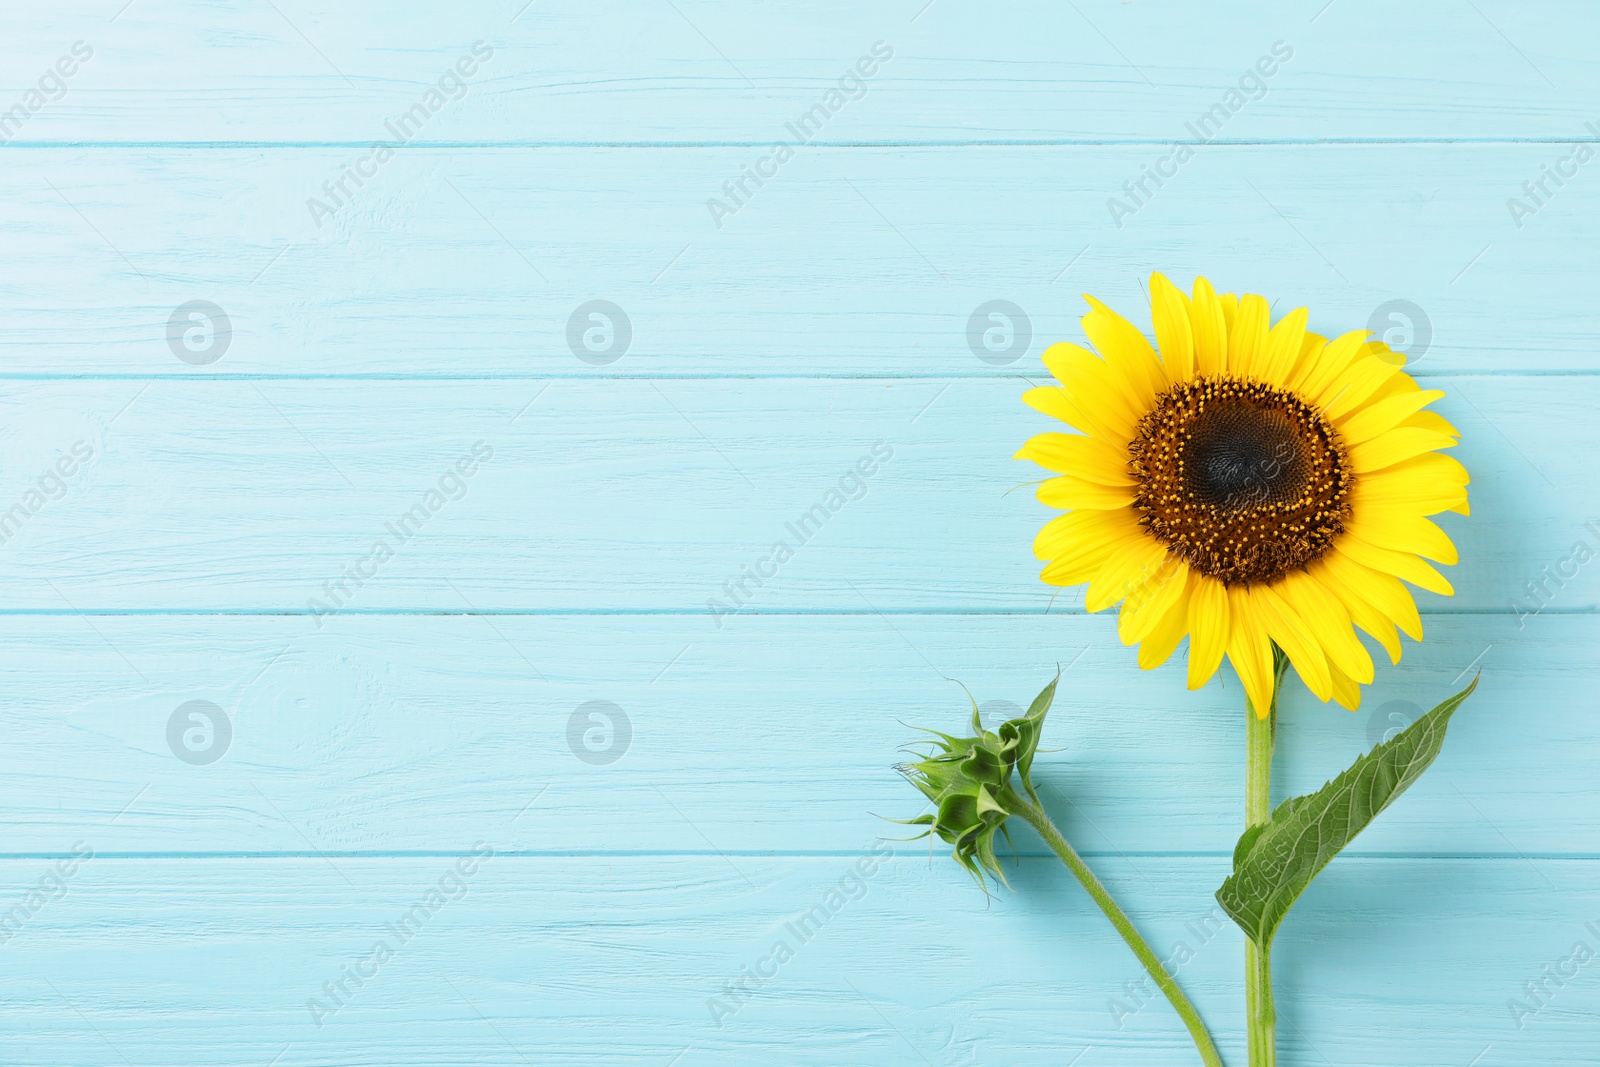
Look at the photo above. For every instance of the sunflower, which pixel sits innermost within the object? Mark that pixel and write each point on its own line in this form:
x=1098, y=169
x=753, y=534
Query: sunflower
x=1253, y=485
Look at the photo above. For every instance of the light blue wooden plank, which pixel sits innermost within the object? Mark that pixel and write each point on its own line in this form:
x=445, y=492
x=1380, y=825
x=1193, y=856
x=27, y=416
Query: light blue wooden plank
x=868, y=261
x=641, y=495
x=775, y=734
x=569, y=71
x=430, y=732
x=600, y=961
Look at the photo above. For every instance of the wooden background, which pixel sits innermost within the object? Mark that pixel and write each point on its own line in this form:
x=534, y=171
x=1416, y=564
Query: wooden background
x=350, y=761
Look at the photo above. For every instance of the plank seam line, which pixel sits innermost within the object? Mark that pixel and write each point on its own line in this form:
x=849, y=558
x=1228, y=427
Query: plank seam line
x=998, y=142
x=821, y=613
x=890, y=376
x=401, y=854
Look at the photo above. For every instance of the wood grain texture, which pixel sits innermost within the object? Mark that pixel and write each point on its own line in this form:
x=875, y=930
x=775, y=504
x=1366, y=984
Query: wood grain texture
x=644, y=496
x=212, y=506
x=406, y=733
x=594, y=961
x=718, y=70
x=472, y=262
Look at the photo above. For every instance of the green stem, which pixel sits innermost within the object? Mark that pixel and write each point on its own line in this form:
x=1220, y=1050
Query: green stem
x=1259, y=736
x=1035, y=817
x=1263, y=1018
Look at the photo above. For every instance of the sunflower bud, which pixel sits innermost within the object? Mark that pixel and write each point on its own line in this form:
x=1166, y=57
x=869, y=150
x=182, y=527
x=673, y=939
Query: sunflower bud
x=969, y=782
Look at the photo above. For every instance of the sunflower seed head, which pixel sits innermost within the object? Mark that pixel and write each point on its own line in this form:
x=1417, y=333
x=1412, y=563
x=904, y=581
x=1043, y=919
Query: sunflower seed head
x=969, y=782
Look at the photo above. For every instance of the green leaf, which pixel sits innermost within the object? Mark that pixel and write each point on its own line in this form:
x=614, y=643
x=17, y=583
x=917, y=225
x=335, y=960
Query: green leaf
x=1274, y=862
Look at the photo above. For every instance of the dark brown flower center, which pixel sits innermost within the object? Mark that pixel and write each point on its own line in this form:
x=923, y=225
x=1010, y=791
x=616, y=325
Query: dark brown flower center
x=1243, y=480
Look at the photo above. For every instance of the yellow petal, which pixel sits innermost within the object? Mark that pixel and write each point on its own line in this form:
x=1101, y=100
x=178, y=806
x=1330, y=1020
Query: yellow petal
x=1373, y=621
x=1393, y=385
x=1155, y=649
x=1345, y=691
x=1318, y=607
x=1127, y=569
x=1400, y=530
x=1368, y=422
x=1293, y=635
x=1229, y=302
x=1089, y=379
x=1096, y=389
x=1147, y=605
x=1382, y=590
x=1432, y=420
x=1311, y=346
x=1352, y=388
x=1423, y=490
x=1076, y=569
x=1071, y=492
x=1444, y=467
x=1250, y=651
x=1086, y=457
x=1312, y=376
x=1385, y=353
x=1169, y=313
x=1247, y=337
x=1208, y=629
x=1363, y=612
x=1080, y=532
x=1127, y=352
x=1210, y=331
x=1400, y=564
x=1053, y=401
x=1395, y=446
x=1283, y=347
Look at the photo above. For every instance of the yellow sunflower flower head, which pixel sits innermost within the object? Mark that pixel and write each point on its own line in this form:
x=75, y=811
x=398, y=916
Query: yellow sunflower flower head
x=1252, y=485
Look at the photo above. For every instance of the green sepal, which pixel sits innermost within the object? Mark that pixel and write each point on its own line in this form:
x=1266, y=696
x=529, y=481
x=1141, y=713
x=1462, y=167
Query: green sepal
x=1274, y=862
x=968, y=780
